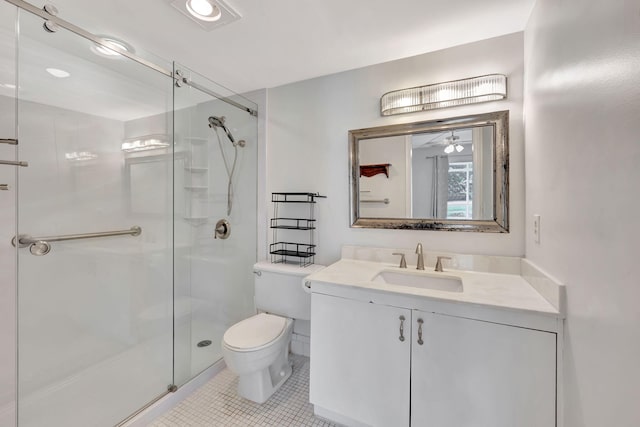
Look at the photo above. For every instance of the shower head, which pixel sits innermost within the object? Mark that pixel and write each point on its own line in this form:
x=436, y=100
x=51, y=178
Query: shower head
x=218, y=122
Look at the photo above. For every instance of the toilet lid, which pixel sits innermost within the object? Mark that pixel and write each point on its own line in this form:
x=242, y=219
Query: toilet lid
x=255, y=331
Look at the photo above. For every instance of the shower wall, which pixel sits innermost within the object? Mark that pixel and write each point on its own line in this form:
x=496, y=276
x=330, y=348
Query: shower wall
x=7, y=270
x=7, y=217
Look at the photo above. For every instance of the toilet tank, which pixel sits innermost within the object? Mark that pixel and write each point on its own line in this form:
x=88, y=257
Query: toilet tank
x=279, y=289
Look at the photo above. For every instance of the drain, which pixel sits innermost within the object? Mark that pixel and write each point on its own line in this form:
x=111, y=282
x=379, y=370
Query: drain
x=204, y=343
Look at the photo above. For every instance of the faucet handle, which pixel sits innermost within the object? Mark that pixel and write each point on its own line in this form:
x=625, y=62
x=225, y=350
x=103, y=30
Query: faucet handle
x=403, y=261
x=439, y=262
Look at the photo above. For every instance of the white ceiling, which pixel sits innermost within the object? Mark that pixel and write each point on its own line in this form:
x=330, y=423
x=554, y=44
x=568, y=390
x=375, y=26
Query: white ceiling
x=282, y=41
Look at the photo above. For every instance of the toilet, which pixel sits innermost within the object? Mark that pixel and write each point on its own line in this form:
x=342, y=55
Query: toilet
x=257, y=349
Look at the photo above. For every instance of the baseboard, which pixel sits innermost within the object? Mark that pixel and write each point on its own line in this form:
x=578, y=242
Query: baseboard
x=300, y=345
x=336, y=418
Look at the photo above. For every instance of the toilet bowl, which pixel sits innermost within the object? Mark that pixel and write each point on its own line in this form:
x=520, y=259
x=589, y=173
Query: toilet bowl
x=257, y=349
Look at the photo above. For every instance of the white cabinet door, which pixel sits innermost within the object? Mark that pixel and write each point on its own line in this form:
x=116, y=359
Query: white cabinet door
x=469, y=373
x=359, y=365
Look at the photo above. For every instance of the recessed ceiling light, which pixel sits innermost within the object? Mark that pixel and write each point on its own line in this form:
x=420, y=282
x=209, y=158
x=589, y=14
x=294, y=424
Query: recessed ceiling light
x=111, y=53
x=208, y=14
x=56, y=72
x=204, y=10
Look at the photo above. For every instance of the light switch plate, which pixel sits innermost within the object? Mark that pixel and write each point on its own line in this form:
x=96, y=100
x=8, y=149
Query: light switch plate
x=536, y=228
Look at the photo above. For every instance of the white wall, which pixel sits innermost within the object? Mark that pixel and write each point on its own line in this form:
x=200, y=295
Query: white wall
x=393, y=187
x=308, y=146
x=582, y=106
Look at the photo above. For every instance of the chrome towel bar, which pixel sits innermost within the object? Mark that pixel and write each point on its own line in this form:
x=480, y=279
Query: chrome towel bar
x=9, y=141
x=40, y=245
x=385, y=201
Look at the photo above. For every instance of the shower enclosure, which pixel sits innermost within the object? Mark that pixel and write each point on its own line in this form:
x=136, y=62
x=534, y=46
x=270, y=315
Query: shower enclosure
x=114, y=290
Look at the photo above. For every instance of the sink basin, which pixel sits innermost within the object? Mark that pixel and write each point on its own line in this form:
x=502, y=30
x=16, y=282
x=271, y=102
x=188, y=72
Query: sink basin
x=437, y=281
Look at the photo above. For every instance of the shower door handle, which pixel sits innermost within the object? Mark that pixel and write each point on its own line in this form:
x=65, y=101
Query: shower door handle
x=40, y=245
x=10, y=163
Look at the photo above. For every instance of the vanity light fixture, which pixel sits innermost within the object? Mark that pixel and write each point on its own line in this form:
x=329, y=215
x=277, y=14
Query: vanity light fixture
x=492, y=87
x=208, y=14
x=142, y=143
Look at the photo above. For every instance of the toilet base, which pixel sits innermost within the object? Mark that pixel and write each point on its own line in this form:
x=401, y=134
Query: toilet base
x=259, y=386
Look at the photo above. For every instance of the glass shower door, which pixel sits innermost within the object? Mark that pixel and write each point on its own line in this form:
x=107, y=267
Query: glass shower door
x=95, y=268
x=213, y=276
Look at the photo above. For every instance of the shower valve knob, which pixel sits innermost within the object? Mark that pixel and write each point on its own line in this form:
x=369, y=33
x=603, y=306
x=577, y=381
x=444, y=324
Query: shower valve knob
x=223, y=229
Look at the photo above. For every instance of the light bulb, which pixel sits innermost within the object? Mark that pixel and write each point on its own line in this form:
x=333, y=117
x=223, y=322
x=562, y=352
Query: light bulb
x=201, y=7
x=448, y=149
x=204, y=10
x=459, y=148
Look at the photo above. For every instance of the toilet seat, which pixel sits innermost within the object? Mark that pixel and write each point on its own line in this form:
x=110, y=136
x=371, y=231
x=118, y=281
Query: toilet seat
x=254, y=333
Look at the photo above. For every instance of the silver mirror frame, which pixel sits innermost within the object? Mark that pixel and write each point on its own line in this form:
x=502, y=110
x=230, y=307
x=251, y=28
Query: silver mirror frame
x=500, y=223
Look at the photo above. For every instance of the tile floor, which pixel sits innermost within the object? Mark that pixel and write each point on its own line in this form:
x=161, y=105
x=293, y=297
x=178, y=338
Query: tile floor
x=217, y=404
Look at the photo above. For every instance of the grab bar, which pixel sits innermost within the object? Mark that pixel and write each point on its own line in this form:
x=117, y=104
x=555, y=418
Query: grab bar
x=9, y=141
x=385, y=201
x=10, y=163
x=40, y=245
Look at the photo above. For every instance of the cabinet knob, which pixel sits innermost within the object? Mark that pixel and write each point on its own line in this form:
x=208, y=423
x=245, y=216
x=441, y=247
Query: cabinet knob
x=420, y=322
x=401, y=337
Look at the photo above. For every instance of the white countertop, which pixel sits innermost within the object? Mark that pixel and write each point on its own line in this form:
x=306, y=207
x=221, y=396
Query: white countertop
x=506, y=291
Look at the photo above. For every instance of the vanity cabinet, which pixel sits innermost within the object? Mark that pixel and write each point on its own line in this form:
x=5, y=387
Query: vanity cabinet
x=360, y=368
x=447, y=371
x=480, y=374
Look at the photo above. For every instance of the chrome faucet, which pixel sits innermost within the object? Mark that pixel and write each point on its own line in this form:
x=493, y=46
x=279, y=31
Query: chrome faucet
x=420, y=257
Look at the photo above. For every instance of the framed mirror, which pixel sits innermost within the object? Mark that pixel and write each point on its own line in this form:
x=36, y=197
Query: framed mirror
x=450, y=174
